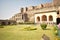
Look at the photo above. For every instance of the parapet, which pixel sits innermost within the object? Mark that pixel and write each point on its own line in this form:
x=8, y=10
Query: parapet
x=46, y=5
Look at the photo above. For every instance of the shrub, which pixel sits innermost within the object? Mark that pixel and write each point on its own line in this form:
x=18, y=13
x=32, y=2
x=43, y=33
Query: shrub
x=43, y=26
x=1, y=26
x=55, y=30
x=30, y=28
x=55, y=27
x=58, y=29
x=56, y=33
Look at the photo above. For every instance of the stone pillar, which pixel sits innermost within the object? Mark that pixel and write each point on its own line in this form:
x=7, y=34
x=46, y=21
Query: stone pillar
x=40, y=19
x=47, y=18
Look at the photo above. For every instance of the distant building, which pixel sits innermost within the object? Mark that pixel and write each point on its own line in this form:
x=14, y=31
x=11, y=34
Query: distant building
x=7, y=22
x=17, y=17
x=48, y=13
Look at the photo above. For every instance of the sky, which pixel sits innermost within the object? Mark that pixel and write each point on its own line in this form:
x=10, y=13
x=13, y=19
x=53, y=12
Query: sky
x=10, y=7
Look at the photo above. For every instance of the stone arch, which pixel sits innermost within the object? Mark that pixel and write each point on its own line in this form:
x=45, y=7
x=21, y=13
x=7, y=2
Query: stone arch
x=38, y=18
x=44, y=18
x=58, y=21
x=3, y=23
x=50, y=18
x=9, y=23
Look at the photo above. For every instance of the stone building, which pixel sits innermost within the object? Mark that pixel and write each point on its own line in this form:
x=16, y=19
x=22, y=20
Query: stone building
x=17, y=17
x=48, y=13
x=7, y=22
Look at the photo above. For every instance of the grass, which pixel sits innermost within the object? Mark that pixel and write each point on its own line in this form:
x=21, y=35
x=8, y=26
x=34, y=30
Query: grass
x=16, y=32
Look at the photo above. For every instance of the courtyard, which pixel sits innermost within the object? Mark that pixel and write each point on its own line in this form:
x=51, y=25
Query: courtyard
x=17, y=32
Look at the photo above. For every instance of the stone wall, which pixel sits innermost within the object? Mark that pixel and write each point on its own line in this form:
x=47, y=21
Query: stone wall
x=17, y=17
x=31, y=10
x=7, y=22
x=56, y=2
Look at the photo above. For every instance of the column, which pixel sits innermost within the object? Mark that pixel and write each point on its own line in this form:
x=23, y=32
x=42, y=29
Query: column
x=40, y=19
x=47, y=19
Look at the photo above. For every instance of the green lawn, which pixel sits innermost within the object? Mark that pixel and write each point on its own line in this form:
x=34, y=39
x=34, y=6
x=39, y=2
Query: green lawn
x=16, y=32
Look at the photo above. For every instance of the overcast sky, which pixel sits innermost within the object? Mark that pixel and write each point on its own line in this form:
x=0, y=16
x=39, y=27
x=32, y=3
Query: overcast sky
x=10, y=7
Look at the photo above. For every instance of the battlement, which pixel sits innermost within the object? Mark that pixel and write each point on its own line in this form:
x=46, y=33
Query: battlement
x=56, y=2
x=46, y=5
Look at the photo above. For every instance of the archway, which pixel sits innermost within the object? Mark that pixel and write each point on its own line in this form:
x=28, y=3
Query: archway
x=25, y=17
x=3, y=23
x=50, y=18
x=44, y=18
x=38, y=18
x=9, y=23
x=58, y=21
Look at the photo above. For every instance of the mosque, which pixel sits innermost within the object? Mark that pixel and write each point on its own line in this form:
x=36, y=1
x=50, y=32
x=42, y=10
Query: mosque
x=43, y=13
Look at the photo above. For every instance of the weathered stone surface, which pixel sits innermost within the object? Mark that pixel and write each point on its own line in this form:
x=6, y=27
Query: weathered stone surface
x=32, y=10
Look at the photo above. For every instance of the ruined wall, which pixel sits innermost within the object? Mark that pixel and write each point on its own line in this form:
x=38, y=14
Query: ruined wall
x=31, y=10
x=56, y=2
x=17, y=17
x=47, y=5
